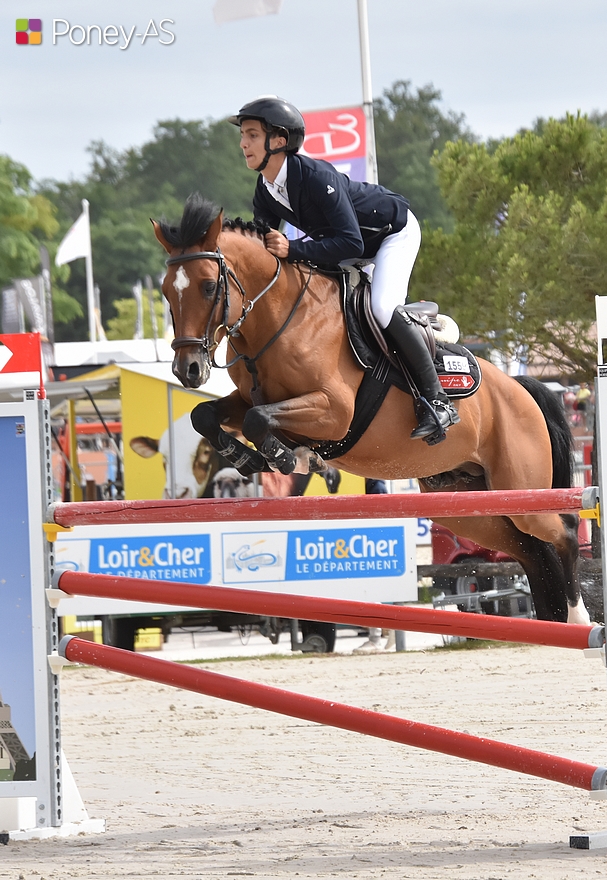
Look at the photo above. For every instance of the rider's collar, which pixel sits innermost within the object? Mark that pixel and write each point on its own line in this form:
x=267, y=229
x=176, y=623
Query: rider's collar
x=278, y=189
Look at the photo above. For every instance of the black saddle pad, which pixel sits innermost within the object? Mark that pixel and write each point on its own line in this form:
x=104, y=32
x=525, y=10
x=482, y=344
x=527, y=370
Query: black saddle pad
x=458, y=370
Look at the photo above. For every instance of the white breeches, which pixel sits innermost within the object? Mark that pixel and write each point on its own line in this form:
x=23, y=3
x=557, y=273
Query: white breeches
x=393, y=266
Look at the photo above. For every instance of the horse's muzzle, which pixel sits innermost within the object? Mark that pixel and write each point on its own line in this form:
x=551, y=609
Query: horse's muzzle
x=192, y=369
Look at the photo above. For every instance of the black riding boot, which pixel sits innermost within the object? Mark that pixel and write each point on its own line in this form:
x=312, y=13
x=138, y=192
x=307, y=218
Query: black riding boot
x=433, y=409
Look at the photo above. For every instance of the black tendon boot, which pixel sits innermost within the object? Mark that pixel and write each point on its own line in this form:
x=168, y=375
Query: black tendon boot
x=434, y=411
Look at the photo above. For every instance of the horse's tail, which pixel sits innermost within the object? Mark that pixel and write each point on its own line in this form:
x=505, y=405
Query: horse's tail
x=561, y=438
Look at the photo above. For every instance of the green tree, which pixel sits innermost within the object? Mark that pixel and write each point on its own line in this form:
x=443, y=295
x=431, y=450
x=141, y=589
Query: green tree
x=26, y=221
x=124, y=250
x=122, y=325
x=409, y=128
x=186, y=157
x=526, y=256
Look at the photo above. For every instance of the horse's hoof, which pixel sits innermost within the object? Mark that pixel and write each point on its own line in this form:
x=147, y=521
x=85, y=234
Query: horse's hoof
x=332, y=479
x=303, y=456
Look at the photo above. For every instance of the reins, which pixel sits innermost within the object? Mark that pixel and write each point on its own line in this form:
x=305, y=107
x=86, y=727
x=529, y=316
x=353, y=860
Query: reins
x=251, y=363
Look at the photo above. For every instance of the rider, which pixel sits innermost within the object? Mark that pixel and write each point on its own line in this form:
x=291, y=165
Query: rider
x=346, y=221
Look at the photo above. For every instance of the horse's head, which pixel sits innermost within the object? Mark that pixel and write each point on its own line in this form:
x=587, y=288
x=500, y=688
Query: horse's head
x=200, y=277
x=194, y=285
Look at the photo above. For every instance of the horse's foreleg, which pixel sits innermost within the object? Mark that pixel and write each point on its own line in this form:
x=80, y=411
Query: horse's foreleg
x=207, y=418
x=310, y=462
x=298, y=416
x=257, y=427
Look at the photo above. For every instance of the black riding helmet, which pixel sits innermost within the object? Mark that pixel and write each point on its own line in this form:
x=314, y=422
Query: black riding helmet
x=274, y=112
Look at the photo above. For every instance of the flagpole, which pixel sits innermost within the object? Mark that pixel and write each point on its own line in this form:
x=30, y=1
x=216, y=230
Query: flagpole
x=90, y=284
x=365, y=65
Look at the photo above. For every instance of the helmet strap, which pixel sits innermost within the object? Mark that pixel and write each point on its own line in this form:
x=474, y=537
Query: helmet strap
x=270, y=153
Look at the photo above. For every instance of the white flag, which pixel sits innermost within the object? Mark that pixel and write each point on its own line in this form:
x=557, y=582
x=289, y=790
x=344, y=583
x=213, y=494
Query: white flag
x=138, y=294
x=231, y=10
x=77, y=242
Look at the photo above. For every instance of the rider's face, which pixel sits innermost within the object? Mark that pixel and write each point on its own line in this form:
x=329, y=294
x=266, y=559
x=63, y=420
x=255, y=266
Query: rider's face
x=253, y=142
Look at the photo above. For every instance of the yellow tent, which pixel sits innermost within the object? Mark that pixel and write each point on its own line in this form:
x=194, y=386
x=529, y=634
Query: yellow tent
x=147, y=399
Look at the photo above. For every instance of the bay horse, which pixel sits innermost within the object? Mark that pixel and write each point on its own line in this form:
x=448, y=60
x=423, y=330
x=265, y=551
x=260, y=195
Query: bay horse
x=296, y=377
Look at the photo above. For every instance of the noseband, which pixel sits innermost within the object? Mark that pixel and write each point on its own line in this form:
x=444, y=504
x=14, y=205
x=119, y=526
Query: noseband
x=224, y=273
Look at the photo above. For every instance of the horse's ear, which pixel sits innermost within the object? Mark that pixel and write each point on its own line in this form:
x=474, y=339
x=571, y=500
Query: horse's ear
x=160, y=236
x=213, y=232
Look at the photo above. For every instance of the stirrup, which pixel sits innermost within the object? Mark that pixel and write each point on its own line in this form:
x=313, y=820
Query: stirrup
x=434, y=419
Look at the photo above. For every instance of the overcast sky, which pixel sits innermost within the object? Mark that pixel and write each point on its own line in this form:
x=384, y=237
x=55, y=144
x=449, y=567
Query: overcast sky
x=502, y=64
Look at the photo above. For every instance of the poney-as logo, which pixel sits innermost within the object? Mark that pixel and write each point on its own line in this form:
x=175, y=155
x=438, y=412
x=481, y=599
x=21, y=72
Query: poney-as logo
x=119, y=35
x=29, y=31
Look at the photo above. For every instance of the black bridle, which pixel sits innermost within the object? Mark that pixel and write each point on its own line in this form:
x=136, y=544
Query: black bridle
x=222, y=290
x=224, y=274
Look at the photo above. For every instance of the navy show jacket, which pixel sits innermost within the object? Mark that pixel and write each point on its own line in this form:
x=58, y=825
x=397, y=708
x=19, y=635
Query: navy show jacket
x=344, y=218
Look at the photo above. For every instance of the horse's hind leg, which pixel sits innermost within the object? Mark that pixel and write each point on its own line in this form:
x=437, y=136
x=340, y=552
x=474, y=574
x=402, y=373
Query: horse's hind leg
x=332, y=478
x=535, y=456
x=548, y=564
x=569, y=550
x=561, y=532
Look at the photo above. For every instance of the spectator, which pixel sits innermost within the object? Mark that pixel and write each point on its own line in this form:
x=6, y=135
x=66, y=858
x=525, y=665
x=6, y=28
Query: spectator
x=582, y=403
x=569, y=404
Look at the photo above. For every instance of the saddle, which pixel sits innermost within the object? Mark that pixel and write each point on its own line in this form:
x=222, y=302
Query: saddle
x=458, y=370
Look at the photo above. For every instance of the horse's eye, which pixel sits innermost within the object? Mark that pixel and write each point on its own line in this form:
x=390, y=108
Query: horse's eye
x=209, y=287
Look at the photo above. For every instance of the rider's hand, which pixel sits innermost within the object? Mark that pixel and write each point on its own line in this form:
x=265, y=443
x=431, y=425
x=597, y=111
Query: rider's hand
x=277, y=244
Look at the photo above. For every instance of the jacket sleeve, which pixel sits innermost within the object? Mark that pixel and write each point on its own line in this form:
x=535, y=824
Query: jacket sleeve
x=262, y=213
x=341, y=238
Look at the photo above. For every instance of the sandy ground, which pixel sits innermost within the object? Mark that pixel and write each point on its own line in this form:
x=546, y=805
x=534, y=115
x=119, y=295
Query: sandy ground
x=194, y=787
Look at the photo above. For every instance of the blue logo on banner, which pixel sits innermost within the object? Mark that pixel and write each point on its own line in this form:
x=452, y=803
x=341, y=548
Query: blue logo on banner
x=346, y=553
x=161, y=558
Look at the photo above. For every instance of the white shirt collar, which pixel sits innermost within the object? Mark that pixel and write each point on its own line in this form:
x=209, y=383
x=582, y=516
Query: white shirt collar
x=278, y=189
x=281, y=178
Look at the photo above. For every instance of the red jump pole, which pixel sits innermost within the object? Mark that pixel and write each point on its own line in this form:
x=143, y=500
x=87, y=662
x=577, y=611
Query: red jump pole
x=514, y=502
x=477, y=626
x=411, y=733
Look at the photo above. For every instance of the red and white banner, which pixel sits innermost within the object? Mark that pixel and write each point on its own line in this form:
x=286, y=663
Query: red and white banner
x=340, y=137
x=21, y=353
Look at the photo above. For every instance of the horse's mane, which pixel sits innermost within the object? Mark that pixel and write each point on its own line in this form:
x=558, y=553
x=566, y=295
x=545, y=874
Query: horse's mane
x=198, y=214
x=251, y=228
